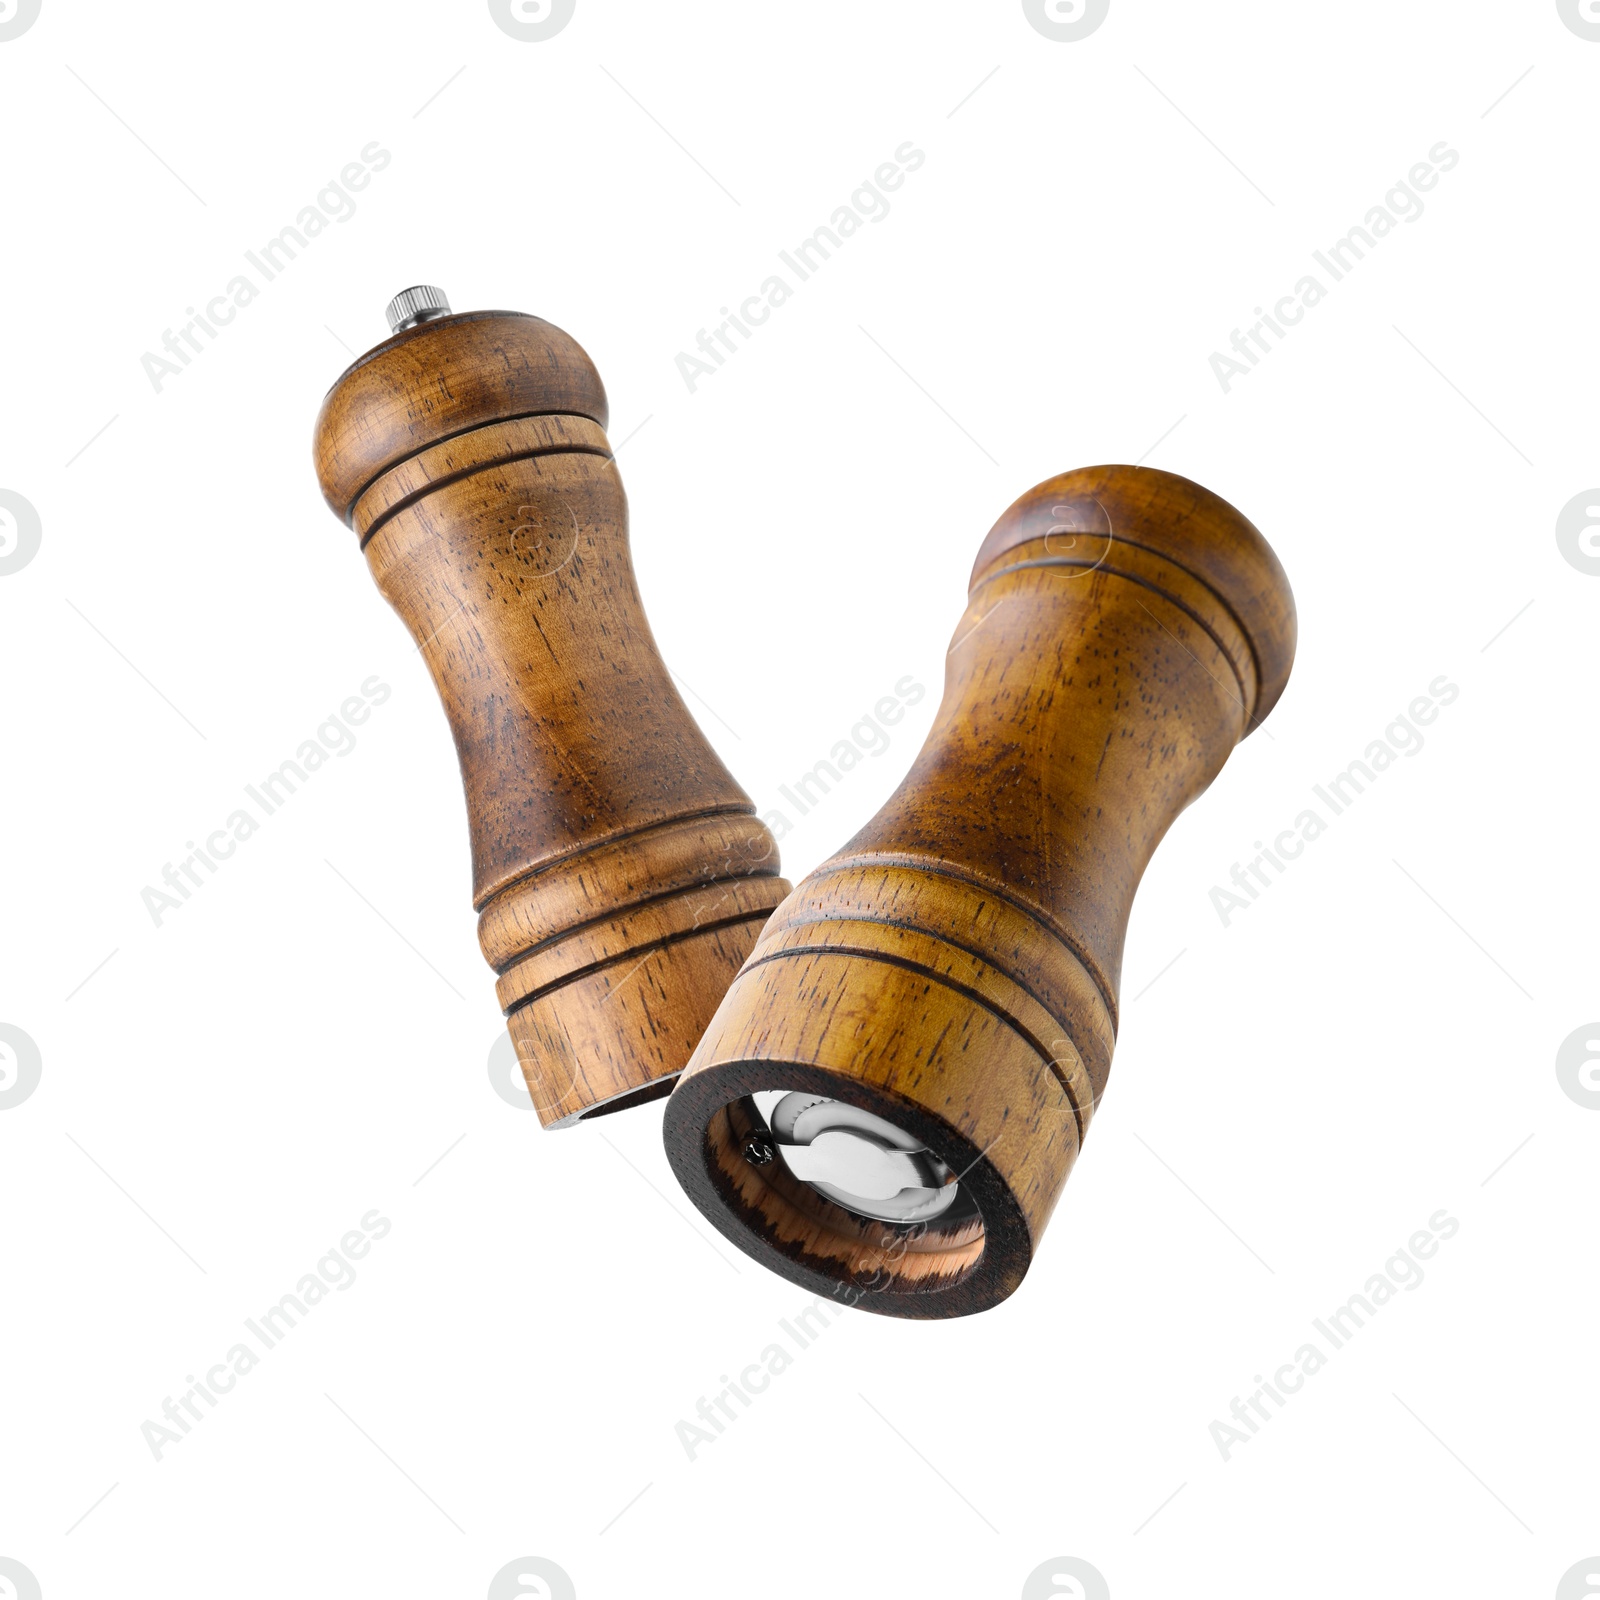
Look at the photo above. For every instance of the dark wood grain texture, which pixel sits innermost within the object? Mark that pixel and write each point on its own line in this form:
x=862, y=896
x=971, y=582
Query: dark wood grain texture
x=955, y=967
x=620, y=874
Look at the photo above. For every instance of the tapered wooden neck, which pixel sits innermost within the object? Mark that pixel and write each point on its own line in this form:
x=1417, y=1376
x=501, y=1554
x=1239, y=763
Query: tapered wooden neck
x=1125, y=628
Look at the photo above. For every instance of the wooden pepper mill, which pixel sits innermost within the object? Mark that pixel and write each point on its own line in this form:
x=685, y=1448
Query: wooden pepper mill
x=890, y=1097
x=619, y=872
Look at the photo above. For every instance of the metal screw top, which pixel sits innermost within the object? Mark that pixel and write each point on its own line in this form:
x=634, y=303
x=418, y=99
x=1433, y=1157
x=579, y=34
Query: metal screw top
x=421, y=303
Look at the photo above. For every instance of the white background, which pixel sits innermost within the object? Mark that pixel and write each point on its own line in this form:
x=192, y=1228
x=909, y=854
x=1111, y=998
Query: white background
x=1293, y=1096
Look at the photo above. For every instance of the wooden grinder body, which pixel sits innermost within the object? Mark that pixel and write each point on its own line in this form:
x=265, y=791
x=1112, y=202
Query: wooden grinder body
x=955, y=968
x=619, y=872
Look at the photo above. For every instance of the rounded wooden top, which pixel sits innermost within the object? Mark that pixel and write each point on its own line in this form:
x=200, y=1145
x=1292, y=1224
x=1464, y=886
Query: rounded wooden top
x=444, y=377
x=1180, y=521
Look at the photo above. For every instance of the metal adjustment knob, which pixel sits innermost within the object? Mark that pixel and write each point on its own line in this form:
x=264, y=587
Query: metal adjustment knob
x=421, y=303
